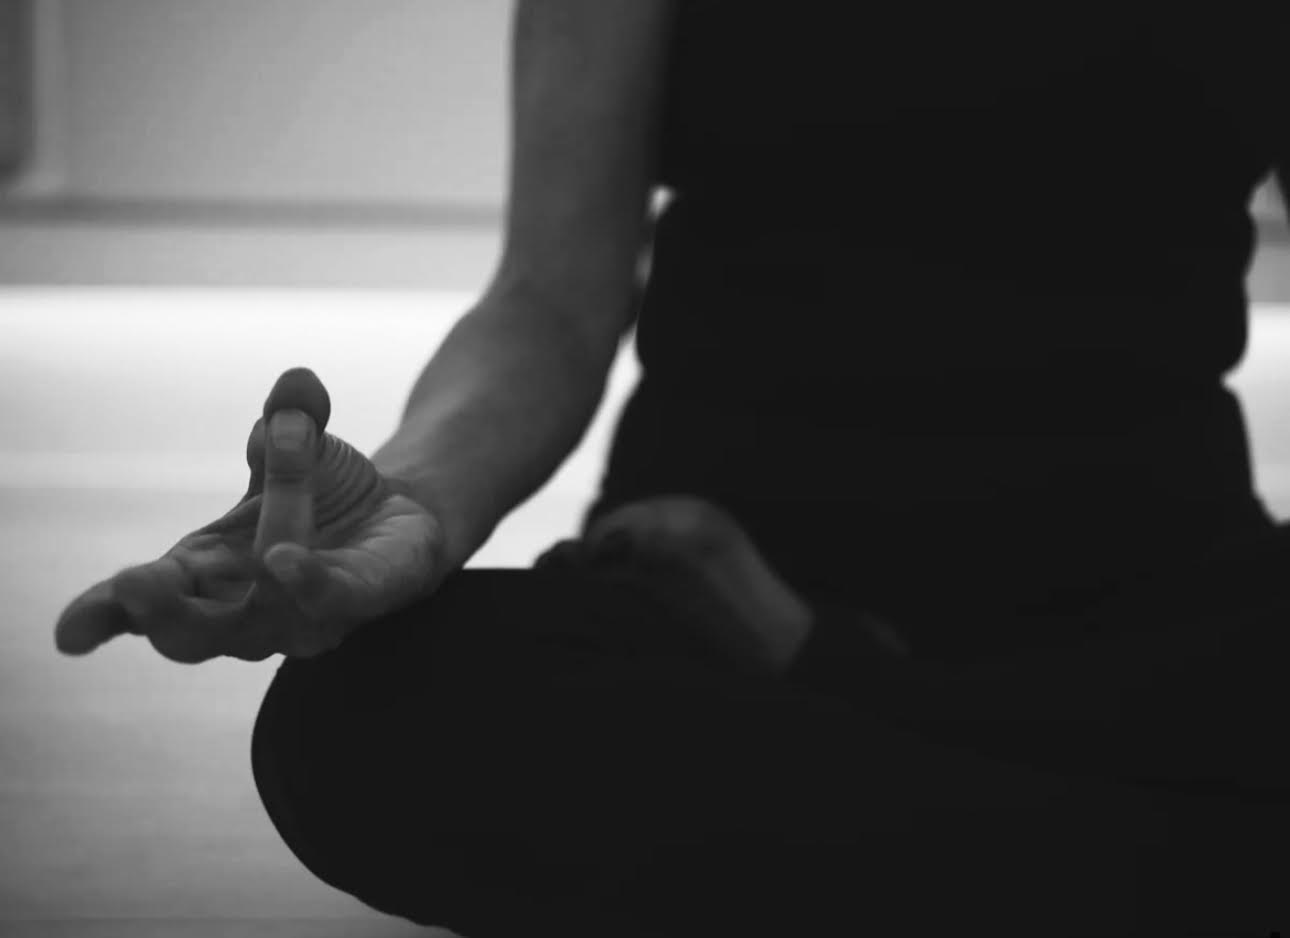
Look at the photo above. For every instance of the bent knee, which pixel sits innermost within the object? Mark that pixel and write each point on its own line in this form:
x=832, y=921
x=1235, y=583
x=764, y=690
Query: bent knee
x=281, y=765
x=298, y=747
x=392, y=823
x=345, y=743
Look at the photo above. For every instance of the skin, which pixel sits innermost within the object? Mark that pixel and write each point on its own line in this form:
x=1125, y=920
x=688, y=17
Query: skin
x=215, y=593
x=361, y=546
x=694, y=549
x=587, y=85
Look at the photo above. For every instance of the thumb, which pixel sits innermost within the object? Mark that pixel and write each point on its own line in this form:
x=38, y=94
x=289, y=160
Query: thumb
x=290, y=457
x=289, y=564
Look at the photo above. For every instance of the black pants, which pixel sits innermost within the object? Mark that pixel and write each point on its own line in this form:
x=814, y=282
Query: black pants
x=547, y=752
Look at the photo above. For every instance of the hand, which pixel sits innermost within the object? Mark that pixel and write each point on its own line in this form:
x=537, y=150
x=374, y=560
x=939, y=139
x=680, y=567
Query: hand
x=359, y=547
x=707, y=567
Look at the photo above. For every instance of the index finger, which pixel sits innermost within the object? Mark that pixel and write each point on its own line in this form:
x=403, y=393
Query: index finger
x=89, y=620
x=129, y=602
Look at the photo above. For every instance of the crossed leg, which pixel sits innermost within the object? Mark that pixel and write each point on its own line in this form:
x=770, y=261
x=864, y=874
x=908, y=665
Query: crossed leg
x=547, y=751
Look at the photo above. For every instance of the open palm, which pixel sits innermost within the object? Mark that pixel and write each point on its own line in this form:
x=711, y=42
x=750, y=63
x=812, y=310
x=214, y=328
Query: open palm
x=320, y=543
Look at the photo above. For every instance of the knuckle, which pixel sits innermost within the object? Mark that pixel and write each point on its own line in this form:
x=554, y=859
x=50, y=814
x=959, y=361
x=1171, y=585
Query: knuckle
x=288, y=468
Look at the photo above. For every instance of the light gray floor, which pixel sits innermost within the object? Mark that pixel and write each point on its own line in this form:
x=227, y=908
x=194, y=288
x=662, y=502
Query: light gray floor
x=126, y=800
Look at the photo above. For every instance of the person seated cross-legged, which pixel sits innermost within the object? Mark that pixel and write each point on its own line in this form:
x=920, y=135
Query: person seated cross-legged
x=925, y=591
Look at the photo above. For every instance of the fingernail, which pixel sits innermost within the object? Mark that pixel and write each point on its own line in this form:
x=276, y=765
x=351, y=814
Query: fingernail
x=284, y=567
x=289, y=430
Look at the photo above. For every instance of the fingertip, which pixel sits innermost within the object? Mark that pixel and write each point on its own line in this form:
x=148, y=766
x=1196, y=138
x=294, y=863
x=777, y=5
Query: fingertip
x=71, y=651
x=287, y=563
x=300, y=389
x=88, y=621
x=64, y=640
x=77, y=637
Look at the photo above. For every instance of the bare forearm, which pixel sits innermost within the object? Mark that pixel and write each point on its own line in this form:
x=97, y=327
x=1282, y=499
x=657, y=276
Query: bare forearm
x=494, y=413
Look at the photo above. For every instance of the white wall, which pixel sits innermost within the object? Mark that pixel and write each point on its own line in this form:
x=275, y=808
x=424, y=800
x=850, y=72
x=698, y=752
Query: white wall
x=283, y=142
x=315, y=142
x=316, y=101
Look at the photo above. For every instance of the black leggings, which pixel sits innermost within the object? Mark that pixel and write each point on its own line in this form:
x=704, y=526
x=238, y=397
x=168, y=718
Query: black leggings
x=547, y=752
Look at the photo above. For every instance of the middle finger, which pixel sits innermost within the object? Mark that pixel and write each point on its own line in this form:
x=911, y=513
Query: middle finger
x=150, y=592
x=191, y=628
x=162, y=599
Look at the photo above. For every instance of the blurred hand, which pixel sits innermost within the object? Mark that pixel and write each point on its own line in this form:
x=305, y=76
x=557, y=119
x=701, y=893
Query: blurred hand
x=702, y=563
x=320, y=543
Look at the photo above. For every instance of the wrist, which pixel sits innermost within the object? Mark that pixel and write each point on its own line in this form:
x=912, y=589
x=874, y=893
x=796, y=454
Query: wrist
x=447, y=556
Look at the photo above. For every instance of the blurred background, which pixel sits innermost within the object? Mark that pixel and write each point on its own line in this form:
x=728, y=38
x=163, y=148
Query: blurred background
x=196, y=195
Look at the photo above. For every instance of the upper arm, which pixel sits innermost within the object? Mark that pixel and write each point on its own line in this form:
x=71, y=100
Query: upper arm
x=586, y=86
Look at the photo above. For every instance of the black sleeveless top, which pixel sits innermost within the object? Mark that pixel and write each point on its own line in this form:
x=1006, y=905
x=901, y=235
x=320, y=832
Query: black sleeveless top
x=941, y=304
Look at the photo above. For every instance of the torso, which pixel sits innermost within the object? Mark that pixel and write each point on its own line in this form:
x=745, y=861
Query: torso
x=969, y=268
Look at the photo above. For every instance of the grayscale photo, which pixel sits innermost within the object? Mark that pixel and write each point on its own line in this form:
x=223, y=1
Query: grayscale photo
x=644, y=469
